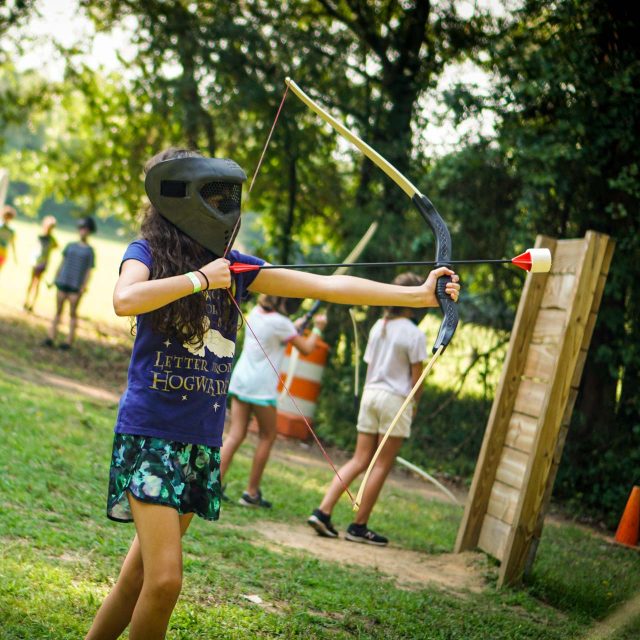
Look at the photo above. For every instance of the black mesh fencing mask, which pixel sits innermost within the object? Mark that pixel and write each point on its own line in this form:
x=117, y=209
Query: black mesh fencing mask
x=201, y=196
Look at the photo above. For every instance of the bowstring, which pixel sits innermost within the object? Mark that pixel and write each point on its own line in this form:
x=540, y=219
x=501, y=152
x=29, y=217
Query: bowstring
x=266, y=145
x=255, y=173
x=237, y=306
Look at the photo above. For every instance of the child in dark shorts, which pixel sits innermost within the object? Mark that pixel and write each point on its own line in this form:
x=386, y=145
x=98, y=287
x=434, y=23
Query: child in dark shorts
x=78, y=258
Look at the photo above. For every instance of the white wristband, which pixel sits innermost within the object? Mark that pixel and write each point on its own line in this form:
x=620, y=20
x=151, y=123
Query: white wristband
x=197, y=285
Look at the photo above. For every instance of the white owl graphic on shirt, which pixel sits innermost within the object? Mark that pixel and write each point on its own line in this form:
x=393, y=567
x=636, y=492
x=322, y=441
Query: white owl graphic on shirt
x=215, y=342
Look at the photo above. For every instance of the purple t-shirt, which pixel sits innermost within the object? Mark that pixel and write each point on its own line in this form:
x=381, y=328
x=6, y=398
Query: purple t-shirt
x=175, y=390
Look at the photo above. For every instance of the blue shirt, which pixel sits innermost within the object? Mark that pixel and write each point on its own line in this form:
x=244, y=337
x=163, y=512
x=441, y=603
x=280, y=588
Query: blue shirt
x=175, y=390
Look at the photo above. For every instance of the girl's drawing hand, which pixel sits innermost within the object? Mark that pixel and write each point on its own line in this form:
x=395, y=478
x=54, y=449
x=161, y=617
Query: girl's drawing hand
x=452, y=289
x=218, y=274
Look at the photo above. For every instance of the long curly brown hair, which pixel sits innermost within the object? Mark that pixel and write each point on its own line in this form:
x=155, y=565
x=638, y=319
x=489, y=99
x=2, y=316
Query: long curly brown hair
x=174, y=253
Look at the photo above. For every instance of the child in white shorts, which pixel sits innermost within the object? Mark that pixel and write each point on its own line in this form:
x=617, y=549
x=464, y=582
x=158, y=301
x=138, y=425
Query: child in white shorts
x=395, y=352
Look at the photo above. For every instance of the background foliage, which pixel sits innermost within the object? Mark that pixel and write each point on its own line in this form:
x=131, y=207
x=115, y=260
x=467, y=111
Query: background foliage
x=562, y=158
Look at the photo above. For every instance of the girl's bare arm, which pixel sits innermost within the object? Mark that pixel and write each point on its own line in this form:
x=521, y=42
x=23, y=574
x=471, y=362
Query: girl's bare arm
x=135, y=293
x=352, y=290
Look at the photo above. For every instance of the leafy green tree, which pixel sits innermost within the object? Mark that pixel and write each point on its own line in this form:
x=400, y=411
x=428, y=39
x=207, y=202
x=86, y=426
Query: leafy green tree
x=567, y=94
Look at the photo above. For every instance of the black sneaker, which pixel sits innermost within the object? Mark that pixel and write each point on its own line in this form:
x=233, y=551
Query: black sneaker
x=321, y=522
x=250, y=501
x=223, y=495
x=48, y=342
x=360, y=533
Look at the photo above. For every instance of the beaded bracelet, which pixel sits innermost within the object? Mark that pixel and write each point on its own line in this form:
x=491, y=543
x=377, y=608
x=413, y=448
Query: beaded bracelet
x=205, y=279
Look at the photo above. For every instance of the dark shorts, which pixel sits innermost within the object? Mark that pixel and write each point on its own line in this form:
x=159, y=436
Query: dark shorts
x=65, y=289
x=183, y=476
x=39, y=269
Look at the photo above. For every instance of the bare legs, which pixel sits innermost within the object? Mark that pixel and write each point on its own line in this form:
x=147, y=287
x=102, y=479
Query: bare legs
x=60, y=299
x=267, y=432
x=74, y=300
x=240, y=414
x=32, y=289
x=366, y=446
x=150, y=579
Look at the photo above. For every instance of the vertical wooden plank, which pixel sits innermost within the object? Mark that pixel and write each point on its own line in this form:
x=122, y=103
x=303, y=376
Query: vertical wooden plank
x=503, y=502
x=521, y=432
x=535, y=486
x=493, y=536
x=541, y=361
x=502, y=407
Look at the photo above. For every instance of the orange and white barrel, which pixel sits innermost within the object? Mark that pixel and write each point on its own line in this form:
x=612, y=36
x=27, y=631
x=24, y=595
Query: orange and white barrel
x=303, y=376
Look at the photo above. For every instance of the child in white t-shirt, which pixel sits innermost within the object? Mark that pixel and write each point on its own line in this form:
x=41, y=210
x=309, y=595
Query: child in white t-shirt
x=395, y=353
x=254, y=383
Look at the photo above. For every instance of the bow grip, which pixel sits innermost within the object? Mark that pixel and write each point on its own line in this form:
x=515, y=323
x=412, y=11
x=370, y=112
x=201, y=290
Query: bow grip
x=443, y=256
x=449, y=310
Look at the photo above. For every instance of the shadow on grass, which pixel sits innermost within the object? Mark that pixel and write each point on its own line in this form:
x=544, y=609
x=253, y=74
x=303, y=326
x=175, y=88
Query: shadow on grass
x=100, y=356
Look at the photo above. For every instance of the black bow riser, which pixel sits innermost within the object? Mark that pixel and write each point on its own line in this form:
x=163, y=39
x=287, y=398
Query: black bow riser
x=200, y=196
x=443, y=257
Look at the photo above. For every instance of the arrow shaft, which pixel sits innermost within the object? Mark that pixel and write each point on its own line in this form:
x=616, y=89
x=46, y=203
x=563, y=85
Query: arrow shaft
x=371, y=265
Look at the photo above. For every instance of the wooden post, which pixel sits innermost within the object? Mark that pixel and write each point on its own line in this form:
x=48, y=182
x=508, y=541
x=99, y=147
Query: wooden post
x=573, y=394
x=532, y=408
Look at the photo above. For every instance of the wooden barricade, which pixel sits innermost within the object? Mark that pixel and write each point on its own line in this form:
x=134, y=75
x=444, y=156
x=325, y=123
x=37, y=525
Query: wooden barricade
x=532, y=408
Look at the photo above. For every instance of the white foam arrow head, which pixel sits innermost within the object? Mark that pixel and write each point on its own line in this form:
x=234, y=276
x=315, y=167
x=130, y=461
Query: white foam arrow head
x=535, y=260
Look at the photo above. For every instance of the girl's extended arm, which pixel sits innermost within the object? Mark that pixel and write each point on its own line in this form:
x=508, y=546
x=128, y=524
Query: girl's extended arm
x=135, y=293
x=352, y=290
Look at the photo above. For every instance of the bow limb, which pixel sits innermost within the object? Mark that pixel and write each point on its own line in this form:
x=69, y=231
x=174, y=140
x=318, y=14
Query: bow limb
x=421, y=202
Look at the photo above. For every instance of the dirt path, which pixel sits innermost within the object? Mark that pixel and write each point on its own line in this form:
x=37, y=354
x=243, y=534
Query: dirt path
x=617, y=621
x=304, y=454
x=409, y=569
x=66, y=385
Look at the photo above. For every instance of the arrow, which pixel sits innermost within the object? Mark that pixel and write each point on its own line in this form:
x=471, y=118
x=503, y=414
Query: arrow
x=534, y=260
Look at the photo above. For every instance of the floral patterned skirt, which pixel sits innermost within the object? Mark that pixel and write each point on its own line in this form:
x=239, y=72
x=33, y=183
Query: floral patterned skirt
x=183, y=476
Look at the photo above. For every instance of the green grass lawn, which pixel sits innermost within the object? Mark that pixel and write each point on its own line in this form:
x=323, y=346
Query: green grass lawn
x=59, y=554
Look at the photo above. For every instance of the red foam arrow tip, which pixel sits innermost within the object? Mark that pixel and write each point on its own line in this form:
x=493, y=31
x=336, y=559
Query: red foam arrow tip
x=243, y=267
x=523, y=261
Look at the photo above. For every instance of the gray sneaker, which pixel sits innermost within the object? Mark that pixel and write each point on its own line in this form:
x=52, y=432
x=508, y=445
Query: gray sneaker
x=360, y=533
x=248, y=500
x=321, y=522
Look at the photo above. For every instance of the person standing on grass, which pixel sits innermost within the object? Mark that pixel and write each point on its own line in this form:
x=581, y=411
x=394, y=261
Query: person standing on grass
x=394, y=354
x=71, y=281
x=46, y=244
x=165, y=465
x=7, y=235
x=254, y=385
